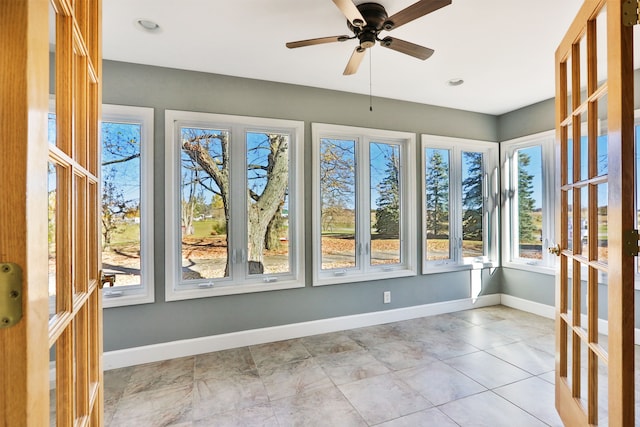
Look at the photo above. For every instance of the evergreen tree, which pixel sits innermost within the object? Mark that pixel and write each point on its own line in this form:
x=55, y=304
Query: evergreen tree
x=526, y=202
x=472, y=203
x=388, y=211
x=437, y=194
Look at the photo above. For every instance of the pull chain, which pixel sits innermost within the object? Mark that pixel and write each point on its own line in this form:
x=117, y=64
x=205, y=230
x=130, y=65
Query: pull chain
x=370, y=84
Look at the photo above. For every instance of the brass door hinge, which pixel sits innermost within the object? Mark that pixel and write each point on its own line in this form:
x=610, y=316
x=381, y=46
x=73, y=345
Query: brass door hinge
x=630, y=14
x=630, y=242
x=10, y=294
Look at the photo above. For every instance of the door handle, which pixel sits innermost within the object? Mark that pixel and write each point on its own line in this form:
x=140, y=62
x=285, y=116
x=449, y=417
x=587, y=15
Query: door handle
x=555, y=250
x=105, y=278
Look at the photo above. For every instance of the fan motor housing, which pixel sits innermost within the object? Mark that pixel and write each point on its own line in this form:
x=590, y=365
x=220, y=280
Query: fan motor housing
x=374, y=15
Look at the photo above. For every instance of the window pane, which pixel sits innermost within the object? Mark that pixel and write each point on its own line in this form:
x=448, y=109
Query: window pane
x=569, y=154
x=584, y=220
x=472, y=204
x=385, y=203
x=437, y=204
x=603, y=138
x=51, y=128
x=584, y=157
x=528, y=208
x=603, y=222
x=52, y=202
x=570, y=202
x=268, y=188
x=121, y=201
x=204, y=190
x=338, y=203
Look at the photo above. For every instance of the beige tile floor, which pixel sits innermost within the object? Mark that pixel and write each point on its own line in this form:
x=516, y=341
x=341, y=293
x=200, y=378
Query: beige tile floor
x=490, y=366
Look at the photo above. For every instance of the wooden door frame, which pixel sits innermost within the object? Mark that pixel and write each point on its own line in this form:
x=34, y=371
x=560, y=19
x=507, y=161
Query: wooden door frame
x=24, y=83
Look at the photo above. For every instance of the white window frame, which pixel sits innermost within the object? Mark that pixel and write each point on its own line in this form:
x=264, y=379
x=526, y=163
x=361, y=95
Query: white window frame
x=143, y=293
x=545, y=140
x=175, y=287
x=491, y=179
x=408, y=233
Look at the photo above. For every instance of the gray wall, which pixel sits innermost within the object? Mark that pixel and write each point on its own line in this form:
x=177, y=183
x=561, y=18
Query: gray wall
x=161, y=88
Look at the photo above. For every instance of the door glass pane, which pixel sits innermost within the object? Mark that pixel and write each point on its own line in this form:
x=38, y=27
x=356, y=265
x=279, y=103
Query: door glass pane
x=52, y=72
x=268, y=202
x=568, y=153
x=569, y=65
x=584, y=154
x=529, y=202
x=603, y=224
x=601, y=43
x=51, y=128
x=570, y=220
x=584, y=220
x=121, y=209
x=569, y=365
x=384, y=177
x=52, y=202
x=437, y=204
x=603, y=138
x=583, y=67
x=603, y=395
x=52, y=387
x=472, y=204
x=338, y=203
x=204, y=191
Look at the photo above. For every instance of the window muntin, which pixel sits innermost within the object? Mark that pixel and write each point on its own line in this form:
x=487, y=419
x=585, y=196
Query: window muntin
x=232, y=227
x=127, y=203
x=529, y=214
x=363, y=229
x=459, y=181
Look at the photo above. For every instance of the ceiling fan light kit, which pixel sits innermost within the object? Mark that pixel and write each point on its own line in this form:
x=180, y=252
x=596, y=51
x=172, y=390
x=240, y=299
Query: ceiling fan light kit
x=367, y=20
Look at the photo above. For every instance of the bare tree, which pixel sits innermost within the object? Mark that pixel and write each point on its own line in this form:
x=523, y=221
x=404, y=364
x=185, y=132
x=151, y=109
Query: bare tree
x=264, y=200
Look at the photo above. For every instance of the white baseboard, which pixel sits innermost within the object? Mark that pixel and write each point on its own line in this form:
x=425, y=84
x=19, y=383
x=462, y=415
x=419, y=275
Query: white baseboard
x=549, y=311
x=182, y=348
x=170, y=350
x=543, y=310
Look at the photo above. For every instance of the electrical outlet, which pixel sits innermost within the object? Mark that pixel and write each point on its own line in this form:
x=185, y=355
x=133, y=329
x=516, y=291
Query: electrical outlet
x=386, y=297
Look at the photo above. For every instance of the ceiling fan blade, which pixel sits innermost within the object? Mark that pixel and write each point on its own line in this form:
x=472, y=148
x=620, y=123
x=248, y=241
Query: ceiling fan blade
x=320, y=40
x=414, y=11
x=408, y=48
x=352, y=13
x=354, y=61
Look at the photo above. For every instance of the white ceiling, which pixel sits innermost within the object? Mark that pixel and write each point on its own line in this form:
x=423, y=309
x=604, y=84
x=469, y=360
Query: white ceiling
x=503, y=49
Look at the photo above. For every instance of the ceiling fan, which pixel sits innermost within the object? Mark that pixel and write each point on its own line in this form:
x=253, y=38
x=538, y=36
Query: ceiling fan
x=367, y=20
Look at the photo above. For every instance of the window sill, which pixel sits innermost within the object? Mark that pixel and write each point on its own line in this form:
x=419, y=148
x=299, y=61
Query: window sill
x=540, y=269
x=446, y=268
x=378, y=275
x=126, y=298
x=184, y=293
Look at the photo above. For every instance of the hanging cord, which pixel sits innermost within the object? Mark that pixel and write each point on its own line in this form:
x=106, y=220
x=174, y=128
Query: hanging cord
x=370, y=84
